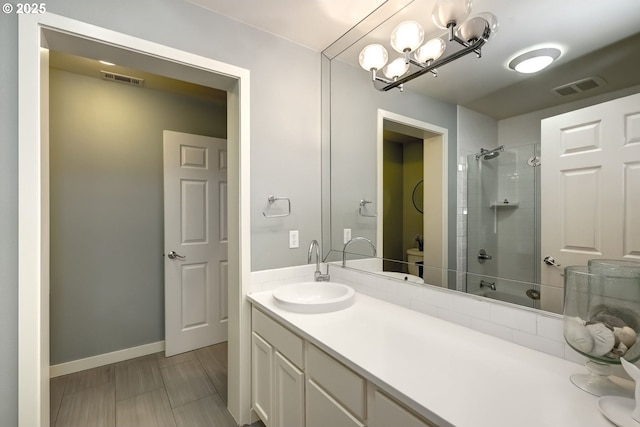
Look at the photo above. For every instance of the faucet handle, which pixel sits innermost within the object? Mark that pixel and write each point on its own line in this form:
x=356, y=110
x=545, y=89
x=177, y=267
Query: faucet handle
x=319, y=277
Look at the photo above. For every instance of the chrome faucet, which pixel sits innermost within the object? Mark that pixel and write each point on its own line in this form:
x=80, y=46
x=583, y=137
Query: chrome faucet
x=344, y=250
x=490, y=285
x=317, y=276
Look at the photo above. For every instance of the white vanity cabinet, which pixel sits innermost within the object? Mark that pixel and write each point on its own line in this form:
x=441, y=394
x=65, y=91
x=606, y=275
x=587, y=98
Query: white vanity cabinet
x=296, y=384
x=277, y=378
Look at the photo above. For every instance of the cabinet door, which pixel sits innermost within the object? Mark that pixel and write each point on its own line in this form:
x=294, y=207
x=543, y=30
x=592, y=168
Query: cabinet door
x=324, y=411
x=288, y=408
x=262, y=378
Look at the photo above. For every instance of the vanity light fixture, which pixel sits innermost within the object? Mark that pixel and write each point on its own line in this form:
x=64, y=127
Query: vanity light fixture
x=407, y=39
x=534, y=60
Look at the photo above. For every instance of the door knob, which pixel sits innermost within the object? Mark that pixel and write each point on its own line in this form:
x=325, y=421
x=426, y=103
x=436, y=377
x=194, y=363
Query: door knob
x=550, y=261
x=174, y=255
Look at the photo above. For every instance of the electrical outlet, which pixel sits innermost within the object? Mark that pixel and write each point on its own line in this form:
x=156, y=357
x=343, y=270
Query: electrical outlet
x=294, y=240
x=347, y=235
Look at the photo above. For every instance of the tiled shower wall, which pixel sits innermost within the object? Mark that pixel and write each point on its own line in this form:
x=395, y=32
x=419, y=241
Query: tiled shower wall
x=461, y=221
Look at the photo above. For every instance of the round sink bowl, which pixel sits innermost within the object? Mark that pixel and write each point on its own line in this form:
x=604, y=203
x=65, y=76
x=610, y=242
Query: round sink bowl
x=314, y=297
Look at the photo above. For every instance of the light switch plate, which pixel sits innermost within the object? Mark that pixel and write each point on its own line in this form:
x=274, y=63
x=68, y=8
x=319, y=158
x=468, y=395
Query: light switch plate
x=347, y=236
x=294, y=240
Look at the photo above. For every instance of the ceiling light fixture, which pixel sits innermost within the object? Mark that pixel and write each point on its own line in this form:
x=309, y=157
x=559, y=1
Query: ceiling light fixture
x=105, y=62
x=408, y=36
x=534, y=60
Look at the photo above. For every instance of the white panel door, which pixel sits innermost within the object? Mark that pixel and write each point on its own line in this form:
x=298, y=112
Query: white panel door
x=590, y=185
x=195, y=241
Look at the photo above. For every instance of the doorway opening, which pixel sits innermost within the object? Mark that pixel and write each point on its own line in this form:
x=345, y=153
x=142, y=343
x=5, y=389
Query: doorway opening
x=106, y=193
x=403, y=181
x=38, y=34
x=412, y=158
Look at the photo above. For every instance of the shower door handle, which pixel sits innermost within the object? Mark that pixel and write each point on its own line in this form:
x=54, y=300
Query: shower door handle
x=550, y=261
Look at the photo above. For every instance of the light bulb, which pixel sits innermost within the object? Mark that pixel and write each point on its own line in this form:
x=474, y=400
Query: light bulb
x=373, y=57
x=407, y=36
x=447, y=11
x=492, y=20
x=396, y=68
x=431, y=50
x=472, y=29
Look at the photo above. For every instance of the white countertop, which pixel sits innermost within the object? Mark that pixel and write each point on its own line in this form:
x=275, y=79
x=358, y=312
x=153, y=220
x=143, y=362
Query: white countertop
x=451, y=374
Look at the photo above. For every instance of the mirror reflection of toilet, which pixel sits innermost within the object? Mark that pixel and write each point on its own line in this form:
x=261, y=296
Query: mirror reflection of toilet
x=415, y=255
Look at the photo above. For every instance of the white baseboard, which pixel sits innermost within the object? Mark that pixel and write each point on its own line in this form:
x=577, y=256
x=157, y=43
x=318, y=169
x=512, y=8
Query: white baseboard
x=104, y=359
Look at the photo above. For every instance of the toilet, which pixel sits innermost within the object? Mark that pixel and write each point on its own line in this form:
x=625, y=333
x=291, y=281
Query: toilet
x=415, y=255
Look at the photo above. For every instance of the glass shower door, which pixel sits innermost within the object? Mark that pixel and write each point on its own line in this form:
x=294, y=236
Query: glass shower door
x=502, y=225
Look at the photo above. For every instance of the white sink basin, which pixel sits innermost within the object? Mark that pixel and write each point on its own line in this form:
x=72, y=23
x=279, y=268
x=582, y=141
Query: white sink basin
x=314, y=297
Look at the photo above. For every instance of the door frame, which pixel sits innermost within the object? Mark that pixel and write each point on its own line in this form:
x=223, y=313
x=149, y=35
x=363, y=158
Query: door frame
x=33, y=208
x=443, y=138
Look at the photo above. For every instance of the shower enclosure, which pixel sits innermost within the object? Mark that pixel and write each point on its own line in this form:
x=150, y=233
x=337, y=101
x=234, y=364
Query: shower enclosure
x=503, y=211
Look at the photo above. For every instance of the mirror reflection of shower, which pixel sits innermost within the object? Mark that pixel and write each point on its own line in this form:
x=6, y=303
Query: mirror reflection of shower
x=489, y=154
x=503, y=239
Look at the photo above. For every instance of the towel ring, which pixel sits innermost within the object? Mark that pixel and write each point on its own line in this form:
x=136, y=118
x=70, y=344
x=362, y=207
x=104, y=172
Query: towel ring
x=272, y=199
x=363, y=204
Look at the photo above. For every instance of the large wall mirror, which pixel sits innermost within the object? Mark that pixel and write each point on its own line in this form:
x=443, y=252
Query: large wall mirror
x=470, y=140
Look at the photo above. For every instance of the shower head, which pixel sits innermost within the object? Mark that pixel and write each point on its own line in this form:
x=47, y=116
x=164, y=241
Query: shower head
x=489, y=154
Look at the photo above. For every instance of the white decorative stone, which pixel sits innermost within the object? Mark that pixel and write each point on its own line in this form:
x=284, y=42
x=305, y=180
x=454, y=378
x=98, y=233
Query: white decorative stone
x=603, y=339
x=618, y=351
x=577, y=335
x=625, y=335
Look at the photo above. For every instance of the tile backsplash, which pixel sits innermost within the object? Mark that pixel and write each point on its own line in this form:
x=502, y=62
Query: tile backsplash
x=541, y=331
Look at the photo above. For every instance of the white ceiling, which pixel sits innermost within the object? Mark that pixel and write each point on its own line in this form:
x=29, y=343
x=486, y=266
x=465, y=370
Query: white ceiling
x=577, y=27
x=312, y=23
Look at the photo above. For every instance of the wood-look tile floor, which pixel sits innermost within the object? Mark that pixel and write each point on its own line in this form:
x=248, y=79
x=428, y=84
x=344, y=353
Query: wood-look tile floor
x=187, y=390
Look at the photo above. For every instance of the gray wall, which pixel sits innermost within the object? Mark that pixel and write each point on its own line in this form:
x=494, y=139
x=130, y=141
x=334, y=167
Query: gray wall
x=107, y=240
x=285, y=133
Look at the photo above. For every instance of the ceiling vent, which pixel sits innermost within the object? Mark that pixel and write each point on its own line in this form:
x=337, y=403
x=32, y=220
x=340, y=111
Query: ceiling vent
x=121, y=78
x=579, y=86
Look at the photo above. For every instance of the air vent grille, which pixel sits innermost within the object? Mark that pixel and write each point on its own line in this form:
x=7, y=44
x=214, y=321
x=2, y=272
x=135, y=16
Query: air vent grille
x=579, y=86
x=121, y=78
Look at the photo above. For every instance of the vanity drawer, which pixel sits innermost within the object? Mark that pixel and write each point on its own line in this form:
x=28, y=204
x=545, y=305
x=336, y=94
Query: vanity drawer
x=339, y=381
x=324, y=411
x=286, y=342
x=385, y=412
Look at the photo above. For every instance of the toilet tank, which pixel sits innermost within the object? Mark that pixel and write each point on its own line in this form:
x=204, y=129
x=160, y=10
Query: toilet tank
x=414, y=255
